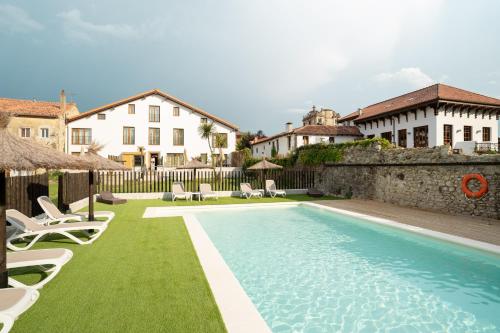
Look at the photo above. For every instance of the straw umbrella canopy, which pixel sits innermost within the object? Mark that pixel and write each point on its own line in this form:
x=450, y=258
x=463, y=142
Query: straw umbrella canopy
x=194, y=165
x=97, y=162
x=263, y=166
x=22, y=154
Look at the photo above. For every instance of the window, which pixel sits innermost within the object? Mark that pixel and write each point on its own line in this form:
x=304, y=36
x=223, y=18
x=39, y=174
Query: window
x=178, y=137
x=137, y=160
x=175, y=159
x=486, y=134
x=81, y=136
x=154, y=113
x=467, y=133
x=131, y=109
x=154, y=136
x=387, y=136
x=421, y=136
x=101, y=116
x=215, y=159
x=289, y=141
x=25, y=132
x=176, y=111
x=223, y=138
x=448, y=135
x=203, y=120
x=44, y=133
x=402, y=138
x=129, y=135
x=204, y=158
x=305, y=139
x=331, y=139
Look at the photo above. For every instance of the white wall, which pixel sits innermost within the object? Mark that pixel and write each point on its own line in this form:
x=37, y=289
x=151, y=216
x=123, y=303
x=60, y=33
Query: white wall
x=458, y=122
x=109, y=132
x=426, y=118
x=436, y=126
x=264, y=149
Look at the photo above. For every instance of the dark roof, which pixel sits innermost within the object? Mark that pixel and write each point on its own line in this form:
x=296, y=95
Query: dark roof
x=435, y=93
x=26, y=107
x=326, y=130
x=149, y=93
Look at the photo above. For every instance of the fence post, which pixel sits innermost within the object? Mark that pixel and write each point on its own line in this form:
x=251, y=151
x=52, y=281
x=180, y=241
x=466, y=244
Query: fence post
x=60, y=202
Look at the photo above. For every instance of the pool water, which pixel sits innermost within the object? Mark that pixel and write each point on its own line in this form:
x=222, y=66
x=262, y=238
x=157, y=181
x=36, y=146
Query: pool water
x=312, y=270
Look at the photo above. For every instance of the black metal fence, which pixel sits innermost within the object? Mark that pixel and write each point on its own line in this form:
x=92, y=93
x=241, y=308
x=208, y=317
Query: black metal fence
x=22, y=192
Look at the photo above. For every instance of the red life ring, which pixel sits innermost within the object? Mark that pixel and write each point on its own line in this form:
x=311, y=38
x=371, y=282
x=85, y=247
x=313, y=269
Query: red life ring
x=482, y=190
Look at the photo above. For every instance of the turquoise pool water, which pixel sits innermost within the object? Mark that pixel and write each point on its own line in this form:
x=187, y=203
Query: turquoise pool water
x=311, y=270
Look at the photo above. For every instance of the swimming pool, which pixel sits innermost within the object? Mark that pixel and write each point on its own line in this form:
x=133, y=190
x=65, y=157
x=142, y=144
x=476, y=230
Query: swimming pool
x=311, y=270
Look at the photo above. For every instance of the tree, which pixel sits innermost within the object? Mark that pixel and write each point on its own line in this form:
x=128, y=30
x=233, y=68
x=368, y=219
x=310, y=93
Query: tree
x=220, y=142
x=273, y=151
x=206, y=130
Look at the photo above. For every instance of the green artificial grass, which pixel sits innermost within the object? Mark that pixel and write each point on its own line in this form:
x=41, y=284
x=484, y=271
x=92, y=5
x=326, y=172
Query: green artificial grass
x=142, y=275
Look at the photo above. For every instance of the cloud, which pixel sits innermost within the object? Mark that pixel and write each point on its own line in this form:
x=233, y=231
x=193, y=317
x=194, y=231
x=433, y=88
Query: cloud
x=77, y=28
x=16, y=19
x=413, y=76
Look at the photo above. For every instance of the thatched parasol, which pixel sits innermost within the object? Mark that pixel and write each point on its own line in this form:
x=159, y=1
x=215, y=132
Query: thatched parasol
x=24, y=154
x=263, y=166
x=97, y=163
x=194, y=165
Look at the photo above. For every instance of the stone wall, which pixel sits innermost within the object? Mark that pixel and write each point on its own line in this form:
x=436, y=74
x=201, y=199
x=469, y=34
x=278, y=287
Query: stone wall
x=428, y=178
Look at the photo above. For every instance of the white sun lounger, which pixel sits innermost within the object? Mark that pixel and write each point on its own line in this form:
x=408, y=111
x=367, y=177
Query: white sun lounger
x=271, y=189
x=178, y=192
x=28, y=228
x=55, y=258
x=248, y=192
x=13, y=302
x=55, y=215
x=206, y=192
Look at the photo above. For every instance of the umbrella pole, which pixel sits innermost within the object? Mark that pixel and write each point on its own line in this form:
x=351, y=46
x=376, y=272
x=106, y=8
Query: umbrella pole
x=91, y=195
x=3, y=231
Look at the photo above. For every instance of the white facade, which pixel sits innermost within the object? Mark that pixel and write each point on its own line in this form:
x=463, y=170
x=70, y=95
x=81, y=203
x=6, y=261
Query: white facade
x=107, y=129
x=285, y=143
x=435, y=126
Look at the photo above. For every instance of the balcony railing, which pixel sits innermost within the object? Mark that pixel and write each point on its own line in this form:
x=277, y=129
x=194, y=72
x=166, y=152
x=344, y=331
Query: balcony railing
x=486, y=147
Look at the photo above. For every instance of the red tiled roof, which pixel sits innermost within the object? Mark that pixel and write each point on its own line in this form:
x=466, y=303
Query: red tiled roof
x=25, y=107
x=421, y=97
x=325, y=130
x=149, y=93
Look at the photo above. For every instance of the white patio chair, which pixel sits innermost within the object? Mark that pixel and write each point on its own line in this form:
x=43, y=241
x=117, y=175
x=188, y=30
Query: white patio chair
x=178, y=192
x=206, y=192
x=248, y=192
x=13, y=302
x=271, y=189
x=49, y=260
x=55, y=215
x=27, y=228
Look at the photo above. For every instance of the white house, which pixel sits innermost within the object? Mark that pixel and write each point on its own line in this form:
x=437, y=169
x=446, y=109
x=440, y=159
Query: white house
x=287, y=141
x=432, y=116
x=165, y=126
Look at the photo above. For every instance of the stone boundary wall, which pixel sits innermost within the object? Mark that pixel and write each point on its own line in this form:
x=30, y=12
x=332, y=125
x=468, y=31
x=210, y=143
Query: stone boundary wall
x=427, y=178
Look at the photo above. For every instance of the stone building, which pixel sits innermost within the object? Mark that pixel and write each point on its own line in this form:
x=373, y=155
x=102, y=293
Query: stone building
x=320, y=117
x=43, y=121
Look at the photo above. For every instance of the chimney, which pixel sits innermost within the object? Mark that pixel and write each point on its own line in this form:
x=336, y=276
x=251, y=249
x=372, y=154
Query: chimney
x=289, y=127
x=62, y=101
x=360, y=111
x=314, y=108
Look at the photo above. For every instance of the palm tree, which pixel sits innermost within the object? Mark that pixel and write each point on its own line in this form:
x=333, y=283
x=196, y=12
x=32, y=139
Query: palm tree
x=206, y=130
x=220, y=142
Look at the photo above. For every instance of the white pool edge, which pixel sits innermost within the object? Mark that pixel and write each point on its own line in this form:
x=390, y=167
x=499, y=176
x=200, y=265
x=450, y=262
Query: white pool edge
x=238, y=312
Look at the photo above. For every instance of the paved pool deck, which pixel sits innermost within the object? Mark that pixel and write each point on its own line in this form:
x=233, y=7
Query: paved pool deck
x=481, y=229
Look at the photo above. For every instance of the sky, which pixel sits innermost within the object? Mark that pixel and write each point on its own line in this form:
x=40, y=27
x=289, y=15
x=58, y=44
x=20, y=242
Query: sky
x=259, y=63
